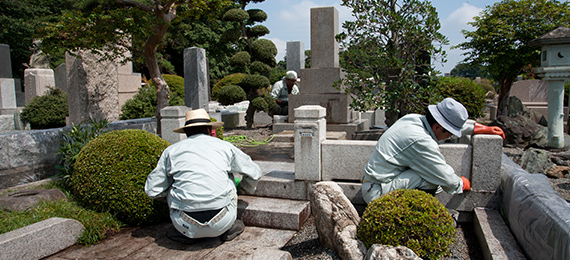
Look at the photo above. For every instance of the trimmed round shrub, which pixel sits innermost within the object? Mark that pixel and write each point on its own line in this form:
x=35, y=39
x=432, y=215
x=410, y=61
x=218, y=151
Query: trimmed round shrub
x=465, y=91
x=264, y=103
x=232, y=79
x=110, y=172
x=257, y=31
x=257, y=15
x=410, y=218
x=241, y=58
x=47, y=111
x=260, y=68
x=143, y=104
x=231, y=94
x=236, y=15
x=231, y=35
x=264, y=50
x=251, y=83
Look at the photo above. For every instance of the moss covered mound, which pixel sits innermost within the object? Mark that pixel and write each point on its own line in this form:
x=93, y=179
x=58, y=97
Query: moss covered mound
x=110, y=173
x=410, y=218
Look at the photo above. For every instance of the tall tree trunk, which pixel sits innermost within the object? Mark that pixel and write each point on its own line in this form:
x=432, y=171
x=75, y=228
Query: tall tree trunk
x=504, y=90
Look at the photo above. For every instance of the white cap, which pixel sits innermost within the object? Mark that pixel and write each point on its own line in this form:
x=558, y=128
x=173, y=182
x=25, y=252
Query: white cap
x=291, y=75
x=450, y=114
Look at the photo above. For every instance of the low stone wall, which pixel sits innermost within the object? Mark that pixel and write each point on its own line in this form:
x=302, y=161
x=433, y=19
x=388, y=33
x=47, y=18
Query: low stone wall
x=29, y=156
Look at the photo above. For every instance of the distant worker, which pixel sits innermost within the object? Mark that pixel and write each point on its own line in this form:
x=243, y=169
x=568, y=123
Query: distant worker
x=407, y=155
x=280, y=92
x=195, y=175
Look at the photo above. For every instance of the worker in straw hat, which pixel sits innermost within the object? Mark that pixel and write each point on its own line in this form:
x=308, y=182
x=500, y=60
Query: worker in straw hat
x=196, y=177
x=407, y=155
x=280, y=92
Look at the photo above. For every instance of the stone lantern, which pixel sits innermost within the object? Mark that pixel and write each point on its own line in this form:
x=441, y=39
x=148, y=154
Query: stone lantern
x=555, y=69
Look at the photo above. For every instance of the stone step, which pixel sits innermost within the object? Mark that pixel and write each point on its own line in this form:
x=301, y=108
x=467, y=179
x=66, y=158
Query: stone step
x=494, y=235
x=273, y=213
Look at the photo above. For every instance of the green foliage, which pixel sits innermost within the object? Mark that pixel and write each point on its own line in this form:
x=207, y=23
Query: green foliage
x=264, y=50
x=143, y=104
x=241, y=59
x=20, y=21
x=465, y=91
x=73, y=140
x=110, y=173
x=501, y=36
x=251, y=83
x=467, y=70
x=264, y=102
x=236, y=15
x=277, y=74
x=387, y=48
x=410, y=218
x=96, y=224
x=258, y=67
x=232, y=79
x=47, y=111
x=231, y=94
x=257, y=15
x=258, y=30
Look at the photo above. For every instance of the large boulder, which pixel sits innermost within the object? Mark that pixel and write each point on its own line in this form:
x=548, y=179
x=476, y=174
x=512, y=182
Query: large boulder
x=336, y=220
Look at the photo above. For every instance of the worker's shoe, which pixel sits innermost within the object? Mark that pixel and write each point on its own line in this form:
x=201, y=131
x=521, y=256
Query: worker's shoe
x=454, y=215
x=175, y=235
x=236, y=229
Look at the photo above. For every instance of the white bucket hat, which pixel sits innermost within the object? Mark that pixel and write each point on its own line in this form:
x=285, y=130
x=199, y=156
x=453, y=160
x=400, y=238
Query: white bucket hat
x=197, y=117
x=291, y=75
x=450, y=114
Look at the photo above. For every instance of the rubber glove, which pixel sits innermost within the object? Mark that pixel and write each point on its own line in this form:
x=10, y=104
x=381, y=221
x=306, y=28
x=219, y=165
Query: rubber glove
x=466, y=184
x=490, y=130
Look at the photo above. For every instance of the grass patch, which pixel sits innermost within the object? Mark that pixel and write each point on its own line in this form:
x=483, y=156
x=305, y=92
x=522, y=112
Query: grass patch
x=96, y=224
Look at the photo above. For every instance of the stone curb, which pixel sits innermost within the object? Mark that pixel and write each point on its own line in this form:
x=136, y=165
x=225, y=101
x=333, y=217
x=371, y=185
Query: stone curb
x=40, y=239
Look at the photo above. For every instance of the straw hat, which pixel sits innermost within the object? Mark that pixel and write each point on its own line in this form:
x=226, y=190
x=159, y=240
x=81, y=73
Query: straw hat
x=450, y=114
x=197, y=117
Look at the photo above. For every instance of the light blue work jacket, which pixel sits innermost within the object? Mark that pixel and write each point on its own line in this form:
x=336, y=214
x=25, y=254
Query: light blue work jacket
x=194, y=174
x=411, y=144
x=279, y=90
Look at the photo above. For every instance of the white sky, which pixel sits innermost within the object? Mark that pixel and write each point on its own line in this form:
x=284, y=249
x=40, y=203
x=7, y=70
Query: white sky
x=289, y=20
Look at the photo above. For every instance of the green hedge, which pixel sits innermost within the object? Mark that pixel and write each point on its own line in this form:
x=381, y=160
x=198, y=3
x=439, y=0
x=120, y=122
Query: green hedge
x=47, y=111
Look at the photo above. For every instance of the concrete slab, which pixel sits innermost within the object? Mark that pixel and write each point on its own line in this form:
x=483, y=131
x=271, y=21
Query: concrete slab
x=273, y=213
x=151, y=243
x=494, y=236
x=40, y=239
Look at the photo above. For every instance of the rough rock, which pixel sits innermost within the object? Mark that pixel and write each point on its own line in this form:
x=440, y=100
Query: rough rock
x=336, y=220
x=382, y=252
x=521, y=131
x=557, y=171
x=535, y=160
x=23, y=200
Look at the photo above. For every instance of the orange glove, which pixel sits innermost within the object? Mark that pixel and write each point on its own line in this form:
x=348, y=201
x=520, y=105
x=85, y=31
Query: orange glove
x=466, y=184
x=490, y=130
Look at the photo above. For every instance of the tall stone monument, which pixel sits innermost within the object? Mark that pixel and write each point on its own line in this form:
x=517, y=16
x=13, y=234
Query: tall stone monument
x=7, y=83
x=196, y=78
x=295, y=56
x=93, y=87
x=316, y=86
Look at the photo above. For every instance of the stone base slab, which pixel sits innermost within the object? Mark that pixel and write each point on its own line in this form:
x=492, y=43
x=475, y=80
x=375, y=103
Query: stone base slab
x=336, y=106
x=494, y=236
x=273, y=213
x=319, y=81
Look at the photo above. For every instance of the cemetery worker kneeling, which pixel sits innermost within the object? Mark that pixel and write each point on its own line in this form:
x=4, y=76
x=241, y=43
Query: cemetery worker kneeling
x=407, y=155
x=280, y=92
x=196, y=177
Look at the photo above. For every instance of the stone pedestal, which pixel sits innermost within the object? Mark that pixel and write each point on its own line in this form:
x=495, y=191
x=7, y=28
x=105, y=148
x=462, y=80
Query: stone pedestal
x=36, y=82
x=310, y=131
x=197, y=83
x=173, y=117
x=7, y=96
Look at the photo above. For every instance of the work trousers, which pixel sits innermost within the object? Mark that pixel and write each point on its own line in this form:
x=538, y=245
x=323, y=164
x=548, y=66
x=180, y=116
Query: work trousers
x=409, y=179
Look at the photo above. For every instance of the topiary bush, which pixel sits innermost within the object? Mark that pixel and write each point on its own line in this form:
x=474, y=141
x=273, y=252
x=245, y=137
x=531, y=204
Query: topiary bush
x=47, y=111
x=231, y=94
x=251, y=83
x=264, y=102
x=143, y=104
x=232, y=79
x=465, y=91
x=410, y=218
x=110, y=172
